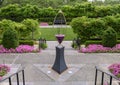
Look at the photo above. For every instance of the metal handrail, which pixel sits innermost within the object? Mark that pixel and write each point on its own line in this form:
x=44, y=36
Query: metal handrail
x=14, y=74
x=104, y=71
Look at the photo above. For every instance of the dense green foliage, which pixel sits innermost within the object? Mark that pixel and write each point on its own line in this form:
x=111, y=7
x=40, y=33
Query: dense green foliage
x=26, y=42
x=24, y=33
x=106, y=2
x=31, y=26
x=55, y=3
x=10, y=12
x=26, y=28
x=81, y=26
x=87, y=28
x=21, y=29
x=113, y=21
x=118, y=41
x=88, y=42
x=43, y=3
x=109, y=37
x=10, y=39
x=90, y=20
x=23, y=42
x=5, y=24
x=93, y=42
x=0, y=42
x=18, y=13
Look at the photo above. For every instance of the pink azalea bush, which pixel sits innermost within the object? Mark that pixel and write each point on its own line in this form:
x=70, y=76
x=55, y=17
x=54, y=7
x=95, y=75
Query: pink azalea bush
x=94, y=48
x=19, y=49
x=4, y=69
x=115, y=69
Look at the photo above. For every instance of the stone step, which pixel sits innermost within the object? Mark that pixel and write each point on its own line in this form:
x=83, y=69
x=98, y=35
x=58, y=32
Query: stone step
x=47, y=83
x=15, y=83
x=59, y=83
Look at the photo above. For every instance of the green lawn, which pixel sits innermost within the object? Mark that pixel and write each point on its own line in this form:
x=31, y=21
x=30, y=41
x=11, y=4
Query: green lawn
x=49, y=33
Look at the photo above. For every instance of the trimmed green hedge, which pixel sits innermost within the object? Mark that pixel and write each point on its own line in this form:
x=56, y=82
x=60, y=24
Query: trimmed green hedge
x=10, y=39
x=26, y=28
x=93, y=42
x=96, y=42
x=0, y=42
x=109, y=37
x=86, y=28
x=23, y=42
x=17, y=13
x=26, y=42
x=118, y=41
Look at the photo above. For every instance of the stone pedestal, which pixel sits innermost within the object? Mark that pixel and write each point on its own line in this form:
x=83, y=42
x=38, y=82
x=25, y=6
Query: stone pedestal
x=59, y=64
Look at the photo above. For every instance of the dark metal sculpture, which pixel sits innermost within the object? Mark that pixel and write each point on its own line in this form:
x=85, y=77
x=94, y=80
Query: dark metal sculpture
x=78, y=42
x=59, y=20
x=41, y=41
x=59, y=64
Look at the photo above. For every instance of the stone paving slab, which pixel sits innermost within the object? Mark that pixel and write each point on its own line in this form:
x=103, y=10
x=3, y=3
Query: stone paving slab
x=15, y=83
x=61, y=83
x=58, y=83
x=53, y=44
x=47, y=69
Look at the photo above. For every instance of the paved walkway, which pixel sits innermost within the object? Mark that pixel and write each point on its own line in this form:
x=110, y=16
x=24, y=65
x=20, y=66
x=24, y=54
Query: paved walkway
x=37, y=63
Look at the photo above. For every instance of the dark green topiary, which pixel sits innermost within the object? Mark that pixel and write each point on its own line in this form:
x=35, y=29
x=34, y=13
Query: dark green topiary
x=10, y=39
x=109, y=38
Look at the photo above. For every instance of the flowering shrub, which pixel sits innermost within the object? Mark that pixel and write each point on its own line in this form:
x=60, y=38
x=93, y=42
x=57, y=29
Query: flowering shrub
x=4, y=69
x=115, y=69
x=94, y=48
x=19, y=49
